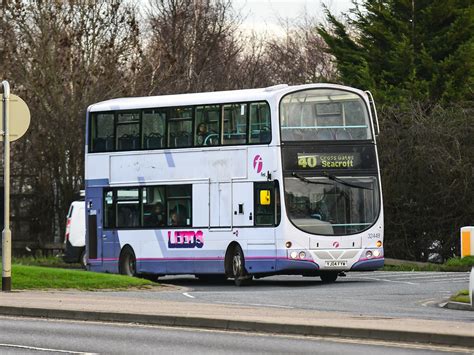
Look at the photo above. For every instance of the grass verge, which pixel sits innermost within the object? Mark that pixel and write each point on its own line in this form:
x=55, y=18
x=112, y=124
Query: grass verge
x=461, y=296
x=38, y=278
x=48, y=261
x=453, y=264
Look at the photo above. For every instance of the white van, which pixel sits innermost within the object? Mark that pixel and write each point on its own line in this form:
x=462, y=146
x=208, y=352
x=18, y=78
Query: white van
x=75, y=238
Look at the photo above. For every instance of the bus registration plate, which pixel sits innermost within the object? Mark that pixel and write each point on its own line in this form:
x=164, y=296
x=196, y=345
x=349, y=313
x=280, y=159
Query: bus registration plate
x=338, y=263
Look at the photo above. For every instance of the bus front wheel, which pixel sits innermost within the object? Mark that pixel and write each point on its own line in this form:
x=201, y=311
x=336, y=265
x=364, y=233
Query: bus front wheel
x=329, y=277
x=128, y=262
x=239, y=273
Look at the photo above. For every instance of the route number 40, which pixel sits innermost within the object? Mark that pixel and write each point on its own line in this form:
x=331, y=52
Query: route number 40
x=307, y=161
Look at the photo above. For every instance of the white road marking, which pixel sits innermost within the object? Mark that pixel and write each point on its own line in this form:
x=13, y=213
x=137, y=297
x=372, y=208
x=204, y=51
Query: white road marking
x=16, y=346
x=385, y=280
x=255, y=304
x=448, y=277
x=451, y=280
x=428, y=302
x=188, y=295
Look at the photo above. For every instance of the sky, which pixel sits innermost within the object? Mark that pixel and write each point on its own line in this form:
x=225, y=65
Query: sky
x=262, y=15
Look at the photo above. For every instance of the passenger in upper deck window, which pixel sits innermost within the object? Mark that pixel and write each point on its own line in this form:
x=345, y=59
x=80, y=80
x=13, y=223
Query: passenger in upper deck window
x=201, y=134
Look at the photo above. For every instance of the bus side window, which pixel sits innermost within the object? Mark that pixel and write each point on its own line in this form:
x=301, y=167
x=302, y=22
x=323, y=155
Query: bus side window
x=260, y=126
x=153, y=200
x=235, y=124
x=128, y=207
x=178, y=198
x=180, y=126
x=207, y=125
x=153, y=126
x=128, y=131
x=102, y=131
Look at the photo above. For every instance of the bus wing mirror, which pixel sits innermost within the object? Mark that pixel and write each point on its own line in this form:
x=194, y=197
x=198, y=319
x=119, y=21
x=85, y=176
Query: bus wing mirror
x=265, y=197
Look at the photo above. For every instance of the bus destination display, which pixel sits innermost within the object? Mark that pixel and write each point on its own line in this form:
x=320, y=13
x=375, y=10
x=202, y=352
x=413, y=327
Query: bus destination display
x=328, y=160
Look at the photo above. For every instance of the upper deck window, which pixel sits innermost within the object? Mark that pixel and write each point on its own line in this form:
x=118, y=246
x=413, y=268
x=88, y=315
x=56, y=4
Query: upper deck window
x=154, y=124
x=323, y=114
x=207, y=125
x=102, y=132
x=180, y=127
x=260, y=126
x=235, y=124
x=128, y=131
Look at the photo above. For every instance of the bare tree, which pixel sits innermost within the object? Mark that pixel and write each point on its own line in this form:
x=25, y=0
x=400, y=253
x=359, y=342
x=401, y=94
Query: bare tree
x=192, y=46
x=63, y=56
x=299, y=56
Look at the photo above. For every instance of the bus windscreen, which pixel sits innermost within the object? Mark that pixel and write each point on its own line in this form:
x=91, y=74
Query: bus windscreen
x=322, y=115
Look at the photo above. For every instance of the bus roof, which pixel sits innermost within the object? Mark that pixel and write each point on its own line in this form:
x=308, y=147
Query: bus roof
x=206, y=98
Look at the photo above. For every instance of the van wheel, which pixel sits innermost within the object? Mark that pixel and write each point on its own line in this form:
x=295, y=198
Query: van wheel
x=241, y=278
x=83, y=259
x=128, y=262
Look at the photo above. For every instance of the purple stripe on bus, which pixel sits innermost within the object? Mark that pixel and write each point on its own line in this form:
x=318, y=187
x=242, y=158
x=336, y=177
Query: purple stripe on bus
x=374, y=258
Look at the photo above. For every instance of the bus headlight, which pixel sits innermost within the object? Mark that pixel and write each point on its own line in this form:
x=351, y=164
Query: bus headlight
x=294, y=255
x=302, y=255
x=376, y=253
x=379, y=243
x=368, y=254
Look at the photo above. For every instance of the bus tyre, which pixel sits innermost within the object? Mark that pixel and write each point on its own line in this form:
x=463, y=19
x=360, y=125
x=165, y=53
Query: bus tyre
x=128, y=262
x=241, y=278
x=328, y=277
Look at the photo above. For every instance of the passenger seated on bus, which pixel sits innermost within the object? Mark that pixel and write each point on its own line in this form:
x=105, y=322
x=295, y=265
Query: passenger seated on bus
x=157, y=216
x=178, y=216
x=175, y=219
x=127, y=217
x=201, y=133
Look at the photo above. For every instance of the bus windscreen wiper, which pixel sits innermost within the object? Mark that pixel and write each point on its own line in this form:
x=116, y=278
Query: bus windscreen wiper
x=342, y=182
x=302, y=178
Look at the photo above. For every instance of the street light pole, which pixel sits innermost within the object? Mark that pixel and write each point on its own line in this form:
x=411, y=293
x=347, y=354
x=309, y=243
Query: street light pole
x=6, y=234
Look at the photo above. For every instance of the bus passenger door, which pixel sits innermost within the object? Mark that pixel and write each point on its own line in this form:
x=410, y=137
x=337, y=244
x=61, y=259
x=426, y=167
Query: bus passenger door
x=261, y=245
x=93, y=228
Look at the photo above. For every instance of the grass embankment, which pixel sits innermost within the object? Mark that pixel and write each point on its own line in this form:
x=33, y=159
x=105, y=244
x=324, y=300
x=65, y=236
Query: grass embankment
x=461, y=296
x=38, y=277
x=453, y=264
x=49, y=261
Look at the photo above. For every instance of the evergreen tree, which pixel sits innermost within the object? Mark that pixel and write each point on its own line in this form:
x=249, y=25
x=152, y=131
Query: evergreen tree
x=406, y=50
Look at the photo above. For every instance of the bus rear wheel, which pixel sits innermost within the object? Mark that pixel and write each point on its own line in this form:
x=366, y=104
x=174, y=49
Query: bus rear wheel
x=329, y=277
x=239, y=273
x=128, y=262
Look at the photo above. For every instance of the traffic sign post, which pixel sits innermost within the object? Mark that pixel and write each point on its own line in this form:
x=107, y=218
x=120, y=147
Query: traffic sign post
x=12, y=106
x=6, y=234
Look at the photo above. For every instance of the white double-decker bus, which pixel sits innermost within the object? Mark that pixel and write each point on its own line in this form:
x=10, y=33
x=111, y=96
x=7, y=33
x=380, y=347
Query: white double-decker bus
x=235, y=184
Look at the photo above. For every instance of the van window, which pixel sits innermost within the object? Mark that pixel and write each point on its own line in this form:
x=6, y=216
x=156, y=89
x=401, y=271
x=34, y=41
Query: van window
x=69, y=213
